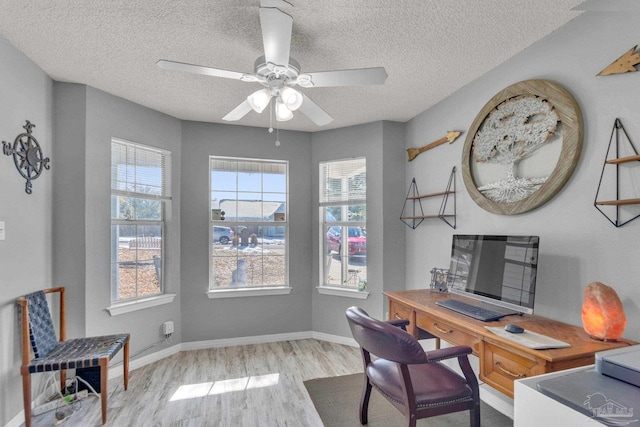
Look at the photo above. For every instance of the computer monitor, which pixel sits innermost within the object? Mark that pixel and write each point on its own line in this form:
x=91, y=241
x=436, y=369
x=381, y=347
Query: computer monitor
x=500, y=270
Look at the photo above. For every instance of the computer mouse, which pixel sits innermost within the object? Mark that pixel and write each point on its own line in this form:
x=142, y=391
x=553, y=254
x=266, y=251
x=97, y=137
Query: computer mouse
x=514, y=329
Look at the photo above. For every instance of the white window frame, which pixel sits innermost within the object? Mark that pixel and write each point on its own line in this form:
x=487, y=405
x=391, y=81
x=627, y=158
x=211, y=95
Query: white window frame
x=215, y=292
x=344, y=200
x=121, y=306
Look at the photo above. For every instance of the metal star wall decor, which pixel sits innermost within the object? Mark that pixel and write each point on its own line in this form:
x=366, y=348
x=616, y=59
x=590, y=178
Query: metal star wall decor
x=27, y=155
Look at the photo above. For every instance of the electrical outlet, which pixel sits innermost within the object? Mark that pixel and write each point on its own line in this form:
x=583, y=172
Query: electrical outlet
x=167, y=328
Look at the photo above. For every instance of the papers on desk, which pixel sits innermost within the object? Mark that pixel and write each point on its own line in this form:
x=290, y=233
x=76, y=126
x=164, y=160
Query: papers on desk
x=529, y=339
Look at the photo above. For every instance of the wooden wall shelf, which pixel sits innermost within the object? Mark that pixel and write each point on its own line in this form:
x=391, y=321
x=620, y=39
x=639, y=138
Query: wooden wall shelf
x=619, y=202
x=424, y=196
x=616, y=162
x=621, y=160
x=412, y=212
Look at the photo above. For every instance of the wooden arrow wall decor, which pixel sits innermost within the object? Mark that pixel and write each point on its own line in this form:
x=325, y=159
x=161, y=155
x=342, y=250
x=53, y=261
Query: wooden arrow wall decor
x=625, y=64
x=451, y=136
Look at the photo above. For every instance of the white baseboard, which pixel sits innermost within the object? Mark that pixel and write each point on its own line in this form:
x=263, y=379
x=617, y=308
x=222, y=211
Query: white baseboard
x=117, y=369
x=497, y=400
x=334, y=339
x=259, y=339
x=16, y=421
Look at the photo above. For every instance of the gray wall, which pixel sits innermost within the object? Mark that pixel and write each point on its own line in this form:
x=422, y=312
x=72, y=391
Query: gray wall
x=25, y=255
x=394, y=188
x=208, y=319
x=69, y=228
x=109, y=116
x=577, y=244
x=382, y=145
x=85, y=121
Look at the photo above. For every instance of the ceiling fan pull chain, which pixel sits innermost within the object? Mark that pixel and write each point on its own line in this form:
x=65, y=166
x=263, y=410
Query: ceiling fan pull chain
x=270, y=116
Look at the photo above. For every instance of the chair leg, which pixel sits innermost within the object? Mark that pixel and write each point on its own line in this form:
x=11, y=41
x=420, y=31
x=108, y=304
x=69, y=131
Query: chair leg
x=364, y=401
x=104, y=365
x=126, y=365
x=26, y=393
x=474, y=416
x=63, y=380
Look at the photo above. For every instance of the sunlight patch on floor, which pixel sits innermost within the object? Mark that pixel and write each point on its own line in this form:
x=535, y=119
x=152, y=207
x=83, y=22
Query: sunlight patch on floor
x=192, y=391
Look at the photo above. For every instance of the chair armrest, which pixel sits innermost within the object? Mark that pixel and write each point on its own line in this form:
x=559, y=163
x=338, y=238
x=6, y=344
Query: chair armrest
x=460, y=352
x=400, y=323
x=447, y=353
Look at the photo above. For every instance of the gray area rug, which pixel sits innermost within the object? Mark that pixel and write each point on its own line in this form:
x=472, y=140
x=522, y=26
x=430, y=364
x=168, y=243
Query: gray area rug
x=337, y=400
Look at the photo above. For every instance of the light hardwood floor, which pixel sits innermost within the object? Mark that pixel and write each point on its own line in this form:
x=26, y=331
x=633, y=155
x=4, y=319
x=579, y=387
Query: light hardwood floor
x=244, y=386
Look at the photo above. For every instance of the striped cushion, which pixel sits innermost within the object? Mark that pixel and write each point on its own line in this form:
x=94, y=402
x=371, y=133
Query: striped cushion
x=79, y=353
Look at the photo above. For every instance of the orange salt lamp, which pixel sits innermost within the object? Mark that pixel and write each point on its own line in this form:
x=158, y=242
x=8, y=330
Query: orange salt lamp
x=602, y=312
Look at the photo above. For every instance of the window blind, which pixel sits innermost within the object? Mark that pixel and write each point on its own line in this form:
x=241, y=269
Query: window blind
x=343, y=181
x=139, y=171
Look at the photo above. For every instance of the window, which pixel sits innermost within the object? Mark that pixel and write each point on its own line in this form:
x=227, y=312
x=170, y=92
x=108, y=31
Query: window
x=139, y=194
x=343, y=216
x=249, y=223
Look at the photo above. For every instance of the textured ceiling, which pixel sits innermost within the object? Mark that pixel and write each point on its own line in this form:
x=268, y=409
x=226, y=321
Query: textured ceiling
x=430, y=48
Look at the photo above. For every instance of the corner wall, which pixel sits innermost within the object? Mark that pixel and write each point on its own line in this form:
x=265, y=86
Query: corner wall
x=382, y=143
x=85, y=121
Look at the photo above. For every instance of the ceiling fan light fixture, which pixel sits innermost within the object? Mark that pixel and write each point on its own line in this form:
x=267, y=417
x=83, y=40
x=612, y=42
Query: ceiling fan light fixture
x=278, y=73
x=304, y=80
x=282, y=112
x=259, y=99
x=291, y=98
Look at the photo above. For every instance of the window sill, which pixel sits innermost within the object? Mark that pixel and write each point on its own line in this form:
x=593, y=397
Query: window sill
x=140, y=304
x=248, y=292
x=342, y=292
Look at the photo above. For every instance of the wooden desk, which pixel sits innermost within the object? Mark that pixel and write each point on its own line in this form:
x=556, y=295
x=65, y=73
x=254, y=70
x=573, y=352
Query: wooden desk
x=501, y=361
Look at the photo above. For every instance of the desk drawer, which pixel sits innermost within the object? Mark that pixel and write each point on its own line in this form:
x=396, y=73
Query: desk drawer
x=447, y=332
x=399, y=311
x=500, y=366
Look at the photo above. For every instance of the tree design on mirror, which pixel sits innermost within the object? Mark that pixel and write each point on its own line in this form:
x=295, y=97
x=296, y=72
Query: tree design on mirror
x=522, y=147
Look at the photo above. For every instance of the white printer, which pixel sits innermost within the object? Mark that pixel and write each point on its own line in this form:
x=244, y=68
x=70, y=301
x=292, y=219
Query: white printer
x=621, y=363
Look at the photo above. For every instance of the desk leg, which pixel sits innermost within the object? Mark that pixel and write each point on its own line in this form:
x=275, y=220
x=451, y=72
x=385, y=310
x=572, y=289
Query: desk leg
x=424, y=335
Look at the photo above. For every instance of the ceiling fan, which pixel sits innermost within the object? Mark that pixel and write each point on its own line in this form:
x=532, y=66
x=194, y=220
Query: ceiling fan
x=279, y=73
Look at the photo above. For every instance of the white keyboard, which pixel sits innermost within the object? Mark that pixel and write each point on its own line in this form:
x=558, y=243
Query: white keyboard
x=529, y=339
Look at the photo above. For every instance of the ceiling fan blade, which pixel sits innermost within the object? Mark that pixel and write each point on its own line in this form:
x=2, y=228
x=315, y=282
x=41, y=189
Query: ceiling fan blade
x=199, y=69
x=239, y=112
x=314, y=112
x=356, y=77
x=276, y=35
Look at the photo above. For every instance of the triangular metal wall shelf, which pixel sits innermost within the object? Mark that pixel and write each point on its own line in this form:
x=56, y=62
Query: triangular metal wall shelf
x=616, y=162
x=413, y=202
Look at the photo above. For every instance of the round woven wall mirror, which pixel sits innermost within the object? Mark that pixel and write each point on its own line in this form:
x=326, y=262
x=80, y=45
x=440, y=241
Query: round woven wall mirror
x=522, y=147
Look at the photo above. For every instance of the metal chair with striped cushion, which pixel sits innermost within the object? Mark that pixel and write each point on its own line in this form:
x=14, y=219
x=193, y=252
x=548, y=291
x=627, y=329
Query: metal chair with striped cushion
x=53, y=355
